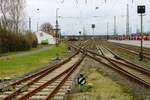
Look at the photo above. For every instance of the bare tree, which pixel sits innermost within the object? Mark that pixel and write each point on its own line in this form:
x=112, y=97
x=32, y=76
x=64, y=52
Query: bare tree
x=4, y=8
x=47, y=27
x=12, y=14
x=16, y=13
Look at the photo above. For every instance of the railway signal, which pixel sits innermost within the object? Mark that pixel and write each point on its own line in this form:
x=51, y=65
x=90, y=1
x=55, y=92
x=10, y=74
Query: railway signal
x=79, y=32
x=80, y=36
x=141, y=11
x=93, y=27
x=81, y=80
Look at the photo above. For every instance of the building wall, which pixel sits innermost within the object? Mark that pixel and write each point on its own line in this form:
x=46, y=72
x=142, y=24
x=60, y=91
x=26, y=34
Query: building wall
x=41, y=36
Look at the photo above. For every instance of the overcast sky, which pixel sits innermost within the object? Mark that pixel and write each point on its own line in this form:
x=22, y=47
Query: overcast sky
x=78, y=16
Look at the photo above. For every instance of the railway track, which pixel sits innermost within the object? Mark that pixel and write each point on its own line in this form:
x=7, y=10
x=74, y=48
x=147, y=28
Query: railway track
x=126, y=68
x=134, y=50
x=50, y=83
x=13, y=84
x=138, y=72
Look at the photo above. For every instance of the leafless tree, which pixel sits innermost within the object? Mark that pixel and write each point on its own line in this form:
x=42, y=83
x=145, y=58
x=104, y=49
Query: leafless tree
x=16, y=13
x=4, y=8
x=12, y=14
x=47, y=27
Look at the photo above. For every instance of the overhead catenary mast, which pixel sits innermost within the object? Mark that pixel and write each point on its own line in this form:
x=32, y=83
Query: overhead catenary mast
x=29, y=24
x=127, y=23
x=115, y=30
x=107, y=30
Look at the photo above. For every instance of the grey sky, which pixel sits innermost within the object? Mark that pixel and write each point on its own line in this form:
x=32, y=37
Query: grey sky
x=76, y=16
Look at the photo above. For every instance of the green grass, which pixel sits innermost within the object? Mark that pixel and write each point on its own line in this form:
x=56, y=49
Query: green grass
x=100, y=87
x=13, y=53
x=17, y=66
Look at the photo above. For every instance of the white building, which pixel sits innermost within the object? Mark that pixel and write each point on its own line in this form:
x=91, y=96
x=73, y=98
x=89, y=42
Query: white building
x=45, y=37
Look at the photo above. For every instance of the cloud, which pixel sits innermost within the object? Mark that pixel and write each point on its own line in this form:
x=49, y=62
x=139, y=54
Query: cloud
x=75, y=16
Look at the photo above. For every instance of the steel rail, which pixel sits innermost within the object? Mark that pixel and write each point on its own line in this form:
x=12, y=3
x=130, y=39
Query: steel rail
x=55, y=91
x=47, y=71
x=26, y=96
x=128, y=63
x=123, y=72
x=135, y=66
x=133, y=48
x=34, y=75
x=112, y=61
x=146, y=54
x=117, y=68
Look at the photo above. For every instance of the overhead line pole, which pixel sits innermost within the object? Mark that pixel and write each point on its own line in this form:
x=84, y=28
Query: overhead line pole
x=37, y=21
x=107, y=31
x=115, y=26
x=29, y=24
x=57, y=27
x=127, y=23
x=37, y=26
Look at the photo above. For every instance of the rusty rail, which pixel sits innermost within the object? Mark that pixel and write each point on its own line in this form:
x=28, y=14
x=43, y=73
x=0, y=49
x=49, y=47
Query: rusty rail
x=69, y=71
x=135, y=66
x=42, y=74
x=115, y=67
x=74, y=67
x=146, y=54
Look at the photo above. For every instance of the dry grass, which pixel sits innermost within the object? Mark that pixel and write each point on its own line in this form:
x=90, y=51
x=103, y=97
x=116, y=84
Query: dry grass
x=100, y=87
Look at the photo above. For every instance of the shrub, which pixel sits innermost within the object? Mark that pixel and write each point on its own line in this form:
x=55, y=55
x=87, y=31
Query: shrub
x=10, y=41
x=45, y=42
x=32, y=40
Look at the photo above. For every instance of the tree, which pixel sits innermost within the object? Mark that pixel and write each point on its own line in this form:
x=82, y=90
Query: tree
x=4, y=8
x=12, y=14
x=16, y=13
x=47, y=27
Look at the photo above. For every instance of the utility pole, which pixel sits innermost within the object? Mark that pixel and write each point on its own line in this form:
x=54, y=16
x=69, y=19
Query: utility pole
x=57, y=27
x=37, y=21
x=115, y=34
x=84, y=32
x=29, y=24
x=107, y=31
x=127, y=23
x=37, y=26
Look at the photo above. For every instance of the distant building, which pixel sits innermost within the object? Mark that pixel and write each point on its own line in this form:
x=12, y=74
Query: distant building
x=43, y=37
